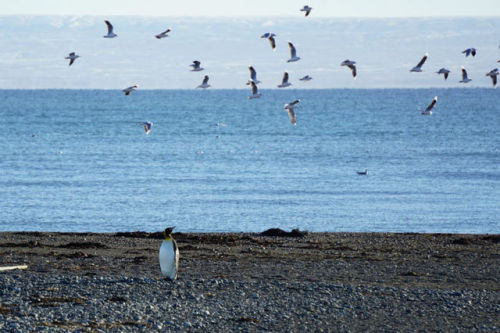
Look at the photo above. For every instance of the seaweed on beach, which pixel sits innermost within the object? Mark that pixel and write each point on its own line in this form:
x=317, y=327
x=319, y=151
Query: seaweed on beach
x=277, y=232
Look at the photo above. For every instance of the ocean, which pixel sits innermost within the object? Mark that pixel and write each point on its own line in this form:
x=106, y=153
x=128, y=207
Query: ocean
x=215, y=161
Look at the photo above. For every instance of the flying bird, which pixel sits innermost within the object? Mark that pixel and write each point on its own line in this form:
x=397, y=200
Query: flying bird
x=290, y=108
x=493, y=74
x=253, y=76
x=270, y=38
x=306, y=78
x=465, y=78
x=428, y=110
x=169, y=255
x=284, y=81
x=471, y=51
x=444, y=71
x=204, y=84
x=267, y=35
x=306, y=9
x=196, y=66
x=350, y=64
x=147, y=126
x=163, y=34
x=128, y=90
x=72, y=56
x=418, y=68
x=255, y=91
x=110, y=34
x=293, y=53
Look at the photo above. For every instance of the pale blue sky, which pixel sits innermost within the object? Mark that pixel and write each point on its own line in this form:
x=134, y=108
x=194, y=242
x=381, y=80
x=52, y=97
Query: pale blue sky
x=322, y=8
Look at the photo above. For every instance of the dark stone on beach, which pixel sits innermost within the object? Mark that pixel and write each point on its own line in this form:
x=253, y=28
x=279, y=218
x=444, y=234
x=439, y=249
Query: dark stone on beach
x=277, y=232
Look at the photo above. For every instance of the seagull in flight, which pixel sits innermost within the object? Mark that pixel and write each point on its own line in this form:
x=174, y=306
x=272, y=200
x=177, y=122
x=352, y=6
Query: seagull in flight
x=493, y=74
x=255, y=91
x=444, y=71
x=147, y=126
x=350, y=64
x=204, y=84
x=284, y=81
x=465, y=78
x=270, y=37
x=306, y=78
x=253, y=76
x=471, y=51
x=290, y=108
x=110, y=34
x=418, y=68
x=72, y=56
x=196, y=66
x=128, y=90
x=306, y=9
x=267, y=35
x=428, y=110
x=163, y=34
x=293, y=53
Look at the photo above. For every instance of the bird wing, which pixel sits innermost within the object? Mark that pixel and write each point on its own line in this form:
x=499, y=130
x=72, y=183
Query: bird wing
x=272, y=41
x=205, y=79
x=71, y=61
x=291, y=115
x=293, y=52
x=110, y=27
x=254, y=88
x=285, y=78
x=294, y=102
x=422, y=61
x=445, y=75
x=253, y=73
x=353, y=69
x=432, y=104
x=464, y=74
x=494, y=79
x=308, y=11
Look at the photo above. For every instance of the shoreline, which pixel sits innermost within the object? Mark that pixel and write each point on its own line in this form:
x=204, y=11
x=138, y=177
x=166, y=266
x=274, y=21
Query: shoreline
x=250, y=282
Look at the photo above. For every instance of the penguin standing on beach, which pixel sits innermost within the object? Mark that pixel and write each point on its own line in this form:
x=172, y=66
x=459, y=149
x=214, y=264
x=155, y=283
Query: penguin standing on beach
x=169, y=255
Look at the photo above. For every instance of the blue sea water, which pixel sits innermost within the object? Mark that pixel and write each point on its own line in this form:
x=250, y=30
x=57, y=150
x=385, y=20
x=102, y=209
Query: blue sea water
x=79, y=160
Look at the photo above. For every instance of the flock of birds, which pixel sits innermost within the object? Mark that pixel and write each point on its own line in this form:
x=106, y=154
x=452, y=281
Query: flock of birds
x=290, y=107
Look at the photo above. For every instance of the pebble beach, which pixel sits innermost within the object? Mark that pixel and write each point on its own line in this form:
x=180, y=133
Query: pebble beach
x=250, y=282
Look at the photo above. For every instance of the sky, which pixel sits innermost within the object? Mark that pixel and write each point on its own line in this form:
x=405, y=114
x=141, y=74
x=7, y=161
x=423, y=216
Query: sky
x=36, y=40
x=321, y=8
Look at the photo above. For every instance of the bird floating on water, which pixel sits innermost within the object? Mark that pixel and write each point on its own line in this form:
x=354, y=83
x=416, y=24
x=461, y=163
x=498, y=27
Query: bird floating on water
x=147, y=126
x=428, y=110
x=290, y=108
x=444, y=71
x=110, y=34
x=204, y=84
x=418, y=68
x=350, y=64
x=253, y=76
x=307, y=9
x=72, y=56
x=255, y=91
x=470, y=51
x=196, y=66
x=465, y=78
x=163, y=34
x=284, y=81
x=169, y=255
x=128, y=90
x=293, y=53
x=493, y=74
x=306, y=78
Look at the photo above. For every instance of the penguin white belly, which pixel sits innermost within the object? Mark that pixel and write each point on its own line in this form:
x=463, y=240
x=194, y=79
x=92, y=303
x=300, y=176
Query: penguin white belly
x=169, y=259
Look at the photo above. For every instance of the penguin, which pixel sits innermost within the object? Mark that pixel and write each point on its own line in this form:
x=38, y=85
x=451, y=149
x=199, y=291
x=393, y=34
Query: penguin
x=169, y=255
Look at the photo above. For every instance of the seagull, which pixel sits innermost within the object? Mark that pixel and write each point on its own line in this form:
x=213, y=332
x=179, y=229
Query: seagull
x=196, y=66
x=350, y=64
x=465, y=78
x=163, y=34
x=444, y=71
x=290, y=107
x=110, y=34
x=471, y=51
x=306, y=9
x=493, y=74
x=418, y=68
x=147, y=126
x=306, y=78
x=255, y=91
x=284, y=81
x=253, y=76
x=293, y=53
x=270, y=38
x=428, y=110
x=128, y=90
x=362, y=173
x=204, y=84
x=72, y=56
